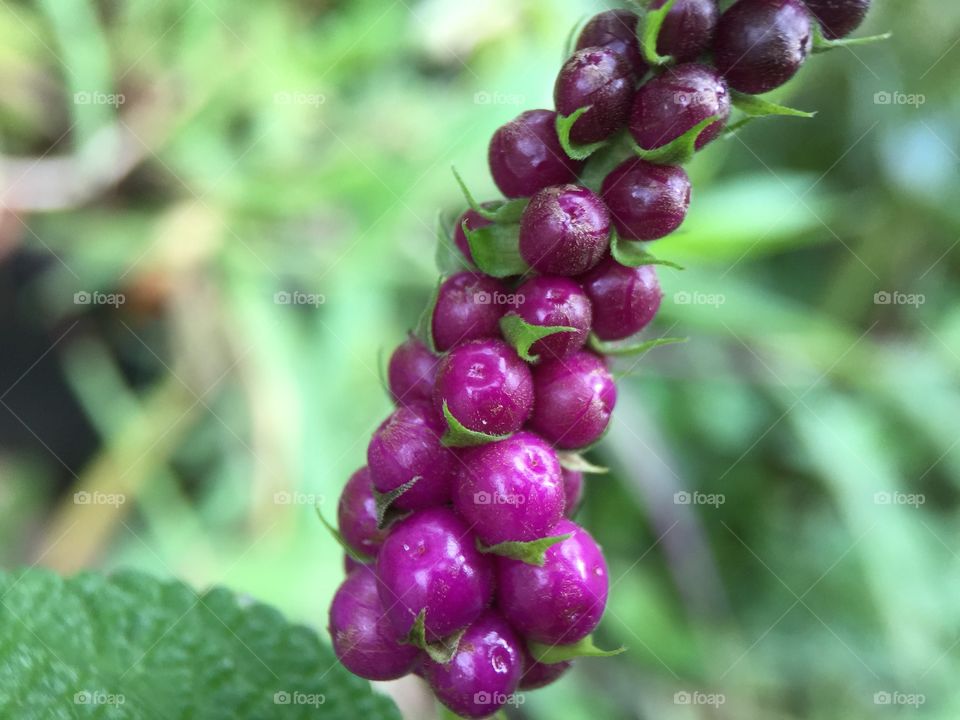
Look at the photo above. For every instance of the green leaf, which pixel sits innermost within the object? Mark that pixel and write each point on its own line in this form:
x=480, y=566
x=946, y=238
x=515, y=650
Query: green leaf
x=532, y=552
x=424, y=329
x=132, y=646
x=755, y=106
x=386, y=513
x=565, y=125
x=822, y=44
x=551, y=654
x=648, y=32
x=448, y=256
x=500, y=211
x=459, y=436
x=678, y=151
x=335, y=532
x=441, y=651
x=496, y=249
x=619, y=349
x=633, y=253
x=578, y=463
x=522, y=335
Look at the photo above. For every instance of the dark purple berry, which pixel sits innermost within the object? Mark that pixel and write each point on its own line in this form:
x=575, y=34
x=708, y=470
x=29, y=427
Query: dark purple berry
x=573, y=491
x=838, y=18
x=561, y=602
x=429, y=562
x=407, y=446
x=484, y=672
x=617, y=30
x=525, y=155
x=411, y=372
x=624, y=299
x=646, y=201
x=565, y=230
x=760, y=44
x=486, y=387
x=474, y=221
x=537, y=675
x=363, y=639
x=675, y=102
x=551, y=301
x=601, y=78
x=510, y=490
x=688, y=28
x=469, y=307
x=357, y=514
x=574, y=400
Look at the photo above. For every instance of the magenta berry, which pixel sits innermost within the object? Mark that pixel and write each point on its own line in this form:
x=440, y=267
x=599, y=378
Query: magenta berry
x=646, y=201
x=484, y=672
x=688, y=29
x=537, y=674
x=551, y=301
x=601, y=78
x=561, y=602
x=760, y=44
x=573, y=491
x=625, y=299
x=407, y=446
x=675, y=102
x=510, y=490
x=411, y=372
x=486, y=387
x=838, y=18
x=363, y=639
x=565, y=230
x=575, y=398
x=429, y=562
x=474, y=221
x=525, y=155
x=349, y=564
x=616, y=30
x=357, y=514
x=469, y=306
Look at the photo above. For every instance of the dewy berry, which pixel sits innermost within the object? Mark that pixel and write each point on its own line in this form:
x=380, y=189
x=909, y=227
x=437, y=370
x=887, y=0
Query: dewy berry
x=617, y=31
x=411, y=372
x=469, y=307
x=760, y=44
x=838, y=18
x=565, y=230
x=602, y=79
x=357, y=514
x=473, y=221
x=525, y=155
x=677, y=101
x=646, y=201
x=486, y=387
x=625, y=299
x=510, y=490
x=552, y=301
x=429, y=563
x=688, y=29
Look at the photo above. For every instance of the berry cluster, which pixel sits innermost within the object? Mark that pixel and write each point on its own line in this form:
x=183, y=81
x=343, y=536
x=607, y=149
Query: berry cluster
x=464, y=564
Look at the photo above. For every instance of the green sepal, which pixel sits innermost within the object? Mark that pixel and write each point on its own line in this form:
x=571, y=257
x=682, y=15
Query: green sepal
x=821, y=44
x=618, y=349
x=576, y=462
x=574, y=150
x=496, y=249
x=552, y=654
x=522, y=335
x=441, y=651
x=386, y=513
x=424, y=329
x=448, y=257
x=632, y=253
x=532, y=552
x=648, y=33
x=500, y=211
x=678, y=151
x=358, y=556
x=459, y=436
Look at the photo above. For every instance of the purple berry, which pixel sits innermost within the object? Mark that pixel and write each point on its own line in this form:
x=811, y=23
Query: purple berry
x=357, y=514
x=429, y=562
x=349, y=564
x=688, y=28
x=838, y=18
x=617, y=30
x=469, y=307
x=760, y=44
x=575, y=398
x=601, y=78
x=407, y=446
x=573, y=491
x=526, y=156
x=624, y=299
x=561, y=602
x=510, y=490
x=363, y=639
x=646, y=201
x=537, y=675
x=565, y=230
x=474, y=221
x=484, y=672
x=551, y=301
x=675, y=102
x=411, y=372
x=486, y=387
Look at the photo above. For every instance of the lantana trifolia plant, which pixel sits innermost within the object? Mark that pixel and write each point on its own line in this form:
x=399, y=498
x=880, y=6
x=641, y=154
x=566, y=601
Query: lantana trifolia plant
x=464, y=565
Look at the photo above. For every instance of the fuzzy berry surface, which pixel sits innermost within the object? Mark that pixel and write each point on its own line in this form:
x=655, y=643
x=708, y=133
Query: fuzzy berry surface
x=602, y=79
x=429, y=562
x=838, y=18
x=625, y=299
x=525, y=155
x=565, y=230
x=469, y=307
x=510, y=490
x=554, y=301
x=646, y=201
x=411, y=372
x=617, y=31
x=357, y=514
x=688, y=29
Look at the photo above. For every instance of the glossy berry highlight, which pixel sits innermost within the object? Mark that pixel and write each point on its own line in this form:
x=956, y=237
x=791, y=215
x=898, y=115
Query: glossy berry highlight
x=469, y=307
x=688, y=29
x=625, y=299
x=525, y=155
x=646, y=201
x=615, y=30
x=602, y=79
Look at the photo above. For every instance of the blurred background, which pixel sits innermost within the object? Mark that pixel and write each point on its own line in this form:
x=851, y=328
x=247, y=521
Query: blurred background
x=218, y=217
